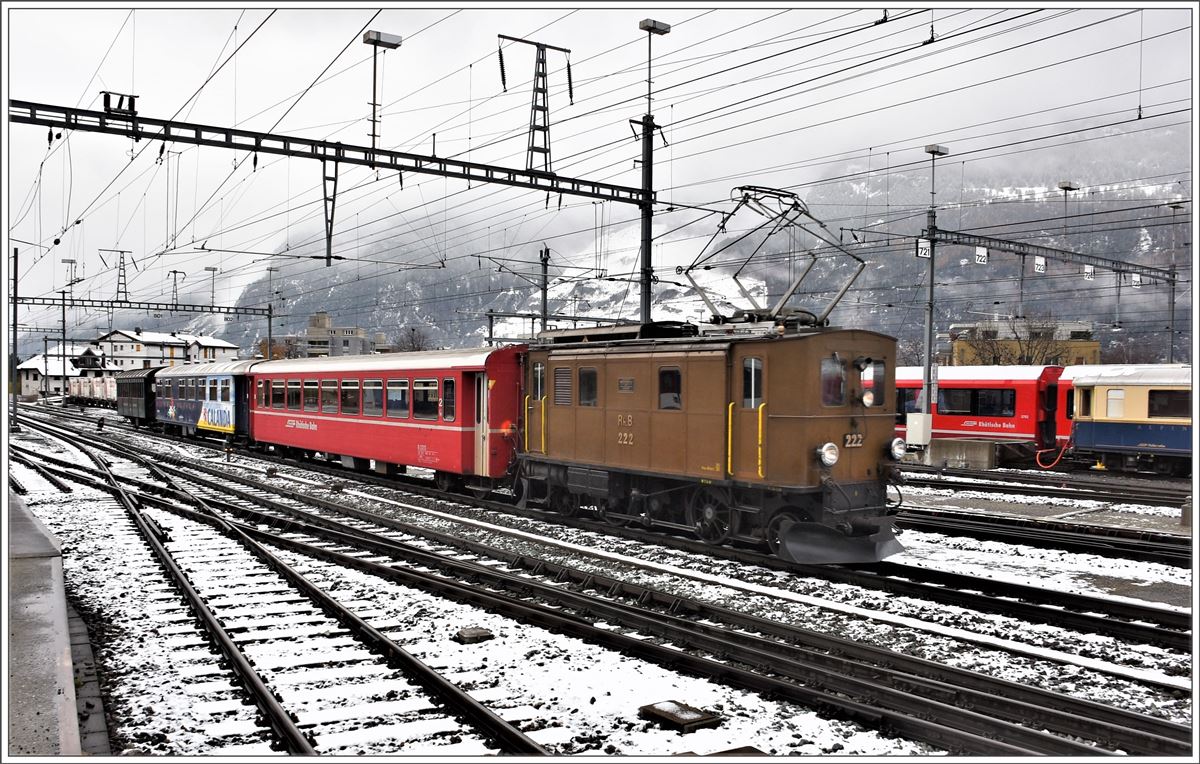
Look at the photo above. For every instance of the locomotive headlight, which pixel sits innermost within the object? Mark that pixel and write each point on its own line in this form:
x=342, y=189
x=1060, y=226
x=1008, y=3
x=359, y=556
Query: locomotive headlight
x=868, y=398
x=899, y=448
x=828, y=454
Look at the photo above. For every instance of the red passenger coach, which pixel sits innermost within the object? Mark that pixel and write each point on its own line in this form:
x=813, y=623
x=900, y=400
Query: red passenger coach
x=452, y=411
x=1015, y=404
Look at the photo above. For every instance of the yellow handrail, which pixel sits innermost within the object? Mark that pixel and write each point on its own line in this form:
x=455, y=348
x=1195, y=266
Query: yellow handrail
x=527, y=397
x=543, y=425
x=761, y=408
x=729, y=441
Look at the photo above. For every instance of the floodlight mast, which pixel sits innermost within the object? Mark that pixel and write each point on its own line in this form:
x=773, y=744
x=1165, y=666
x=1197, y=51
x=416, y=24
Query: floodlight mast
x=651, y=27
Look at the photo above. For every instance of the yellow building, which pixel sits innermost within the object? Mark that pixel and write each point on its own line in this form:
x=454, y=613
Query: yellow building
x=1007, y=342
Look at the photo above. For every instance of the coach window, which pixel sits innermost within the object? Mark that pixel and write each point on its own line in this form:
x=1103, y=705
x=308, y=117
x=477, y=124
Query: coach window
x=329, y=396
x=562, y=386
x=277, y=394
x=425, y=399
x=752, y=382
x=293, y=394
x=312, y=400
x=588, y=389
x=670, y=388
x=1085, y=402
x=906, y=403
x=1176, y=404
x=373, y=397
x=539, y=381
x=260, y=393
x=833, y=381
x=212, y=390
x=448, y=402
x=225, y=383
x=397, y=398
x=997, y=403
x=350, y=399
x=955, y=402
x=1115, y=404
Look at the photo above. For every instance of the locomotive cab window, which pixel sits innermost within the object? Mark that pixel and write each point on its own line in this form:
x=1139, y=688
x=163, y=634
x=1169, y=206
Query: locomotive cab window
x=329, y=396
x=372, y=397
x=833, y=381
x=752, y=383
x=1169, y=404
x=670, y=388
x=397, y=398
x=277, y=394
x=588, y=388
x=350, y=399
x=425, y=399
x=312, y=397
x=293, y=394
x=449, y=404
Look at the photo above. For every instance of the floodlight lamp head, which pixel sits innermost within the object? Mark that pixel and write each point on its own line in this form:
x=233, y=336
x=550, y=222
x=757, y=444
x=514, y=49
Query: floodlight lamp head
x=1068, y=185
x=382, y=39
x=653, y=27
x=936, y=150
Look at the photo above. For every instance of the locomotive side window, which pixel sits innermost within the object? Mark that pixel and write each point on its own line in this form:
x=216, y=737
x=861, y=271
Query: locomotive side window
x=277, y=394
x=562, y=386
x=752, y=381
x=1115, y=404
x=373, y=397
x=350, y=400
x=539, y=381
x=312, y=399
x=397, y=398
x=425, y=399
x=293, y=394
x=833, y=381
x=225, y=383
x=448, y=402
x=329, y=396
x=670, y=388
x=1170, y=403
x=588, y=387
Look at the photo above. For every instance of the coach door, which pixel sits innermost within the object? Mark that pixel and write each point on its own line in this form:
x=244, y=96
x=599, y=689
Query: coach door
x=481, y=424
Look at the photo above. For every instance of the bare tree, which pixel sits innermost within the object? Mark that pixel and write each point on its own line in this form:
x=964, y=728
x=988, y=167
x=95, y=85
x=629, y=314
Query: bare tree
x=1129, y=350
x=413, y=338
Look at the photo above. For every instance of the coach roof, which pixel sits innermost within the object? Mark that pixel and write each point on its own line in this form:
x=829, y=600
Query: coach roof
x=204, y=369
x=425, y=360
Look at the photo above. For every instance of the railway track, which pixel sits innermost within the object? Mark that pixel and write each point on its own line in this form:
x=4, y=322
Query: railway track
x=242, y=619
x=720, y=644
x=1050, y=484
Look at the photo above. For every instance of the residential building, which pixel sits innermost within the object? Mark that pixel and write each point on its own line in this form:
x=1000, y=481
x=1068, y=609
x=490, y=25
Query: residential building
x=49, y=374
x=139, y=349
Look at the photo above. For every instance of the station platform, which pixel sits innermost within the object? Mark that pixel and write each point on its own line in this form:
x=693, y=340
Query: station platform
x=42, y=714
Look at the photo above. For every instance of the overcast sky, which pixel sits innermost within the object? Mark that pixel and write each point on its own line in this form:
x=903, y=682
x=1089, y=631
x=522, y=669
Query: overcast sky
x=778, y=95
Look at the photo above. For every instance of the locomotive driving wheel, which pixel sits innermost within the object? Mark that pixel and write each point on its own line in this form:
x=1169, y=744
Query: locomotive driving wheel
x=777, y=529
x=710, y=515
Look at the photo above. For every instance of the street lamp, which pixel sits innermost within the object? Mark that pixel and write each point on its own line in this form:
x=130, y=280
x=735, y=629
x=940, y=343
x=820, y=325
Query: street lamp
x=1066, y=186
x=923, y=429
x=377, y=40
x=651, y=27
x=212, y=299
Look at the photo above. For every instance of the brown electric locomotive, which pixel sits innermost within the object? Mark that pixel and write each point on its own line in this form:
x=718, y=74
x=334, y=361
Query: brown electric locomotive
x=784, y=437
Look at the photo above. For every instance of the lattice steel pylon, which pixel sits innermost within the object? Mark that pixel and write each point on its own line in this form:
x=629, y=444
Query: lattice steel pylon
x=539, y=112
x=122, y=283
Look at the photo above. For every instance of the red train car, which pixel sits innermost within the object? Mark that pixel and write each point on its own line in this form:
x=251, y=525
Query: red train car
x=451, y=411
x=1016, y=405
